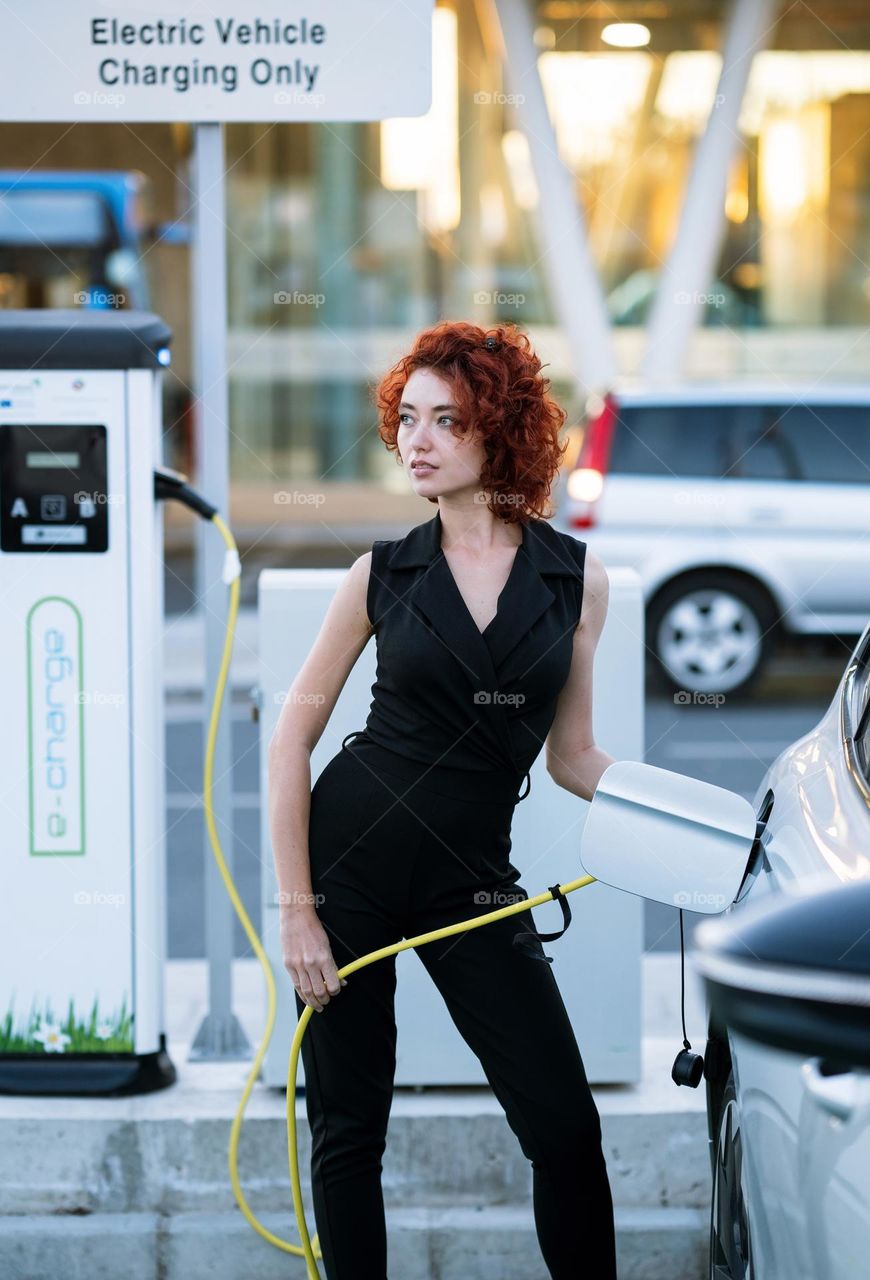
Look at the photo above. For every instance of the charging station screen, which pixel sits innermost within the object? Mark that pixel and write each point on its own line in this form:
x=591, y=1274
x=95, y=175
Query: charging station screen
x=53, y=487
x=52, y=460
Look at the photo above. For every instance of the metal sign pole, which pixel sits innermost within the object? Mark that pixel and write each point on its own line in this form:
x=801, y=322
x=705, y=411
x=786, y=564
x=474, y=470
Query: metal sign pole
x=220, y=1034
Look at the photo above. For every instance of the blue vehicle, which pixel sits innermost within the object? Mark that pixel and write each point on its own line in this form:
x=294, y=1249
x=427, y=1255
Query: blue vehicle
x=72, y=238
x=81, y=238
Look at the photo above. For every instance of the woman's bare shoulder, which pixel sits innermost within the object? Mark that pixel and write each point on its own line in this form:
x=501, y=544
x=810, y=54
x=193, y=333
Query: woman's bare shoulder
x=596, y=593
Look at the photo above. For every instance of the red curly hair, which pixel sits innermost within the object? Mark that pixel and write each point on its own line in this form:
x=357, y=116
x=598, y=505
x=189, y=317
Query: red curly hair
x=497, y=384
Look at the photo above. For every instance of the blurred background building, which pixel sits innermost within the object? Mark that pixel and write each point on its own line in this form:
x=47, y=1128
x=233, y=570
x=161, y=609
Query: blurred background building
x=344, y=240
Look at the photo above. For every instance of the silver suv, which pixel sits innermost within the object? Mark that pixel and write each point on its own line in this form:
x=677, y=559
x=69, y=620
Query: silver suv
x=745, y=508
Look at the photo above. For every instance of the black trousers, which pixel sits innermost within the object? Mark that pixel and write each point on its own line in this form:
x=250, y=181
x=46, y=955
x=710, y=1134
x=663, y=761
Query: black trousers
x=396, y=851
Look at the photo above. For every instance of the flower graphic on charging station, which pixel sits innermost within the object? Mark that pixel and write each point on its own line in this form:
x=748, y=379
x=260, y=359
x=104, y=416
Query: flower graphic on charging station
x=53, y=1039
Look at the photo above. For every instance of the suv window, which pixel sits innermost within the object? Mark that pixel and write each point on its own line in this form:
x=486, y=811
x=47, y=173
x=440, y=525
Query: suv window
x=758, y=450
x=820, y=443
x=825, y=444
x=671, y=440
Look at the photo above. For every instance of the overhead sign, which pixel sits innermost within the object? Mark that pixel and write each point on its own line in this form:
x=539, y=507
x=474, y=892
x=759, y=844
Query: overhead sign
x=152, y=61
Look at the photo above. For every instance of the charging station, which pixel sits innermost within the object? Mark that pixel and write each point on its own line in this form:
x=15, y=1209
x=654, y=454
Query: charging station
x=82, y=914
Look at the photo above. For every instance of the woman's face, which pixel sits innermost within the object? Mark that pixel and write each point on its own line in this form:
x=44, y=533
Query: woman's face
x=426, y=414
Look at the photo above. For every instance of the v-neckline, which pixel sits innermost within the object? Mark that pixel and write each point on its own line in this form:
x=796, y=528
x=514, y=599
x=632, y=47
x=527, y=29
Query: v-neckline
x=501, y=594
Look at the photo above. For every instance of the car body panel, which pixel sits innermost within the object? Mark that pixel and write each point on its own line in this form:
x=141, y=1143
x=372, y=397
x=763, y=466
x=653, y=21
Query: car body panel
x=806, y=1172
x=806, y=1167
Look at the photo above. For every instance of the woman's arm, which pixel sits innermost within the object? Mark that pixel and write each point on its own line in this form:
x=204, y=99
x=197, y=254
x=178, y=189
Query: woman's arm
x=573, y=759
x=309, y=703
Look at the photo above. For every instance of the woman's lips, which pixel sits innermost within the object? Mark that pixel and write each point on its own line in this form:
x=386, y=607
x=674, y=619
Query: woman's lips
x=422, y=468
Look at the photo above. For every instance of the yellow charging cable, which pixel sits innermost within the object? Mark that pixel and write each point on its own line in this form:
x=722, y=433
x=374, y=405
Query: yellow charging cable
x=475, y=923
x=306, y=1249
x=232, y=574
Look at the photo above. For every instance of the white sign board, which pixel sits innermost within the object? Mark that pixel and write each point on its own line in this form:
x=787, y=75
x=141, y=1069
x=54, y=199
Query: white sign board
x=150, y=61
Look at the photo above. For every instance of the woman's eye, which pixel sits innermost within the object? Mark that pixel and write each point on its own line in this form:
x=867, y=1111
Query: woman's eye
x=445, y=417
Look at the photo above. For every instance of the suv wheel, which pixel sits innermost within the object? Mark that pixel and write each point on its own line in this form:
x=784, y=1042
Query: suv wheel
x=710, y=634
x=730, y=1248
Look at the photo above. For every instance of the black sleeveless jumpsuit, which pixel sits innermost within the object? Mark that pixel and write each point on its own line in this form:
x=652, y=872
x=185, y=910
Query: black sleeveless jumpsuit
x=410, y=831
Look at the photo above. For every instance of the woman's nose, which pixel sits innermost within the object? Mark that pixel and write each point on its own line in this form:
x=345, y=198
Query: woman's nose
x=420, y=433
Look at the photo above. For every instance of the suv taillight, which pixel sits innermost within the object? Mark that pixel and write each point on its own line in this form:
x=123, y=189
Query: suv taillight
x=586, y=482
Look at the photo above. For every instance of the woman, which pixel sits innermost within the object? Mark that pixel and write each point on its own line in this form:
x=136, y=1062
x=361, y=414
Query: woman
x=486, y=621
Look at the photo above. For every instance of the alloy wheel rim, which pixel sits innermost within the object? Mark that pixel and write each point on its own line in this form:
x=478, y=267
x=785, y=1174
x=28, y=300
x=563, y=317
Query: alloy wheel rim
x=731, y=1256
x=709, y=640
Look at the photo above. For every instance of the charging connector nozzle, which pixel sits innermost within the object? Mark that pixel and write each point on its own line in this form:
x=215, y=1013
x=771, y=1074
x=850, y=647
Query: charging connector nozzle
x=169, y=484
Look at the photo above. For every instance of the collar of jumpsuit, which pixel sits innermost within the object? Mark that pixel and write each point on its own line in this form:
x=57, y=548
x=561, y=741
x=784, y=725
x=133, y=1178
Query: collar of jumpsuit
x=483, y=659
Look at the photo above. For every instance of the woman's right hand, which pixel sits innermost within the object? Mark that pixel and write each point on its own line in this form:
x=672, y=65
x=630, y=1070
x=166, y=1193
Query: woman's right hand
x=308, y=957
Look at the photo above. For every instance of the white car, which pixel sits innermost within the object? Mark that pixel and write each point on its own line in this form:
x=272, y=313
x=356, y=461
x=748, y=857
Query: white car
x=745, y=508
x=788, y=1050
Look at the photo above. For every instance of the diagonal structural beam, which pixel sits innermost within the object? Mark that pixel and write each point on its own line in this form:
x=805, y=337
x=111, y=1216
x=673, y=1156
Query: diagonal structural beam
x=575, y=287
x=688, y=273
